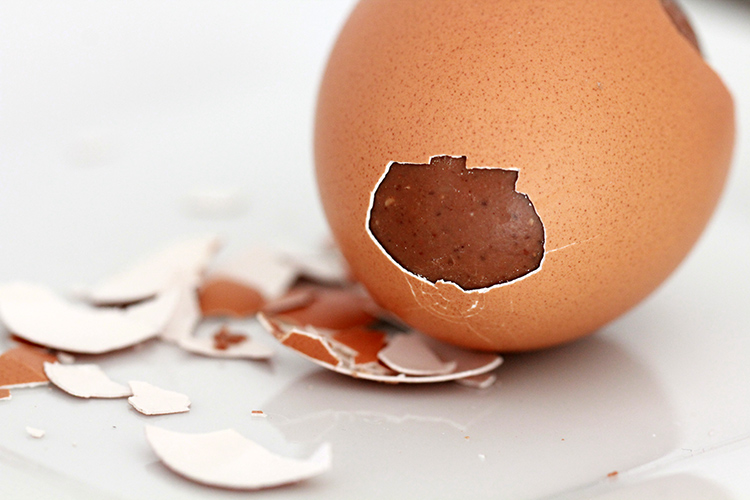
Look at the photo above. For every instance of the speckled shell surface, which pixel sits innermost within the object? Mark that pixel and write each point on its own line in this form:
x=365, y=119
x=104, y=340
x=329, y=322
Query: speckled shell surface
x=622, y=136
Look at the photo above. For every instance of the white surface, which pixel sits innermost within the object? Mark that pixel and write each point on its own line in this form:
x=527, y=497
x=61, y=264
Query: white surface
x=111, y=114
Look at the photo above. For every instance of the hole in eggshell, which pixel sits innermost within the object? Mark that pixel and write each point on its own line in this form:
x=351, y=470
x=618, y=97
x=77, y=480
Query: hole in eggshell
x=445, y=222
x=681, y=22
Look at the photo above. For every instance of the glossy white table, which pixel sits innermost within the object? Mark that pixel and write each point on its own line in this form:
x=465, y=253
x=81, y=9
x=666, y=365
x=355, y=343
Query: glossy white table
x=125, y=126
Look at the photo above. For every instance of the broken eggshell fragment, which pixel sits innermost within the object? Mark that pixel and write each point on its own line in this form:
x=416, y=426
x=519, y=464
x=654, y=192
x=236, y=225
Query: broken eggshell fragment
x=620, y=135
x=220, y=296
x=53, y=322
x=84, y=381
x=265, y=271
x=408, y=354
x=227, y=459
x=331, y=307
x=411, y=360
x=180, y=264
x=185, y=318
x=23, y=366
x=261, y=278
x=151, y=400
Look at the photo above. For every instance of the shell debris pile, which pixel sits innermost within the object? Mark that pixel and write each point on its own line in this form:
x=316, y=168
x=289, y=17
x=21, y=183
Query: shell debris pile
x=180, y=296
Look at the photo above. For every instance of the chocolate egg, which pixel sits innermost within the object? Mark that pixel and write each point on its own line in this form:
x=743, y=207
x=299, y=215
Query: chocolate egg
x=513, y=174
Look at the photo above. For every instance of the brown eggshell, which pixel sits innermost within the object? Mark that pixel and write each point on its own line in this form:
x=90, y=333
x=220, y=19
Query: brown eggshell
x=226, y=297
x=331, y=307
x=620, y=132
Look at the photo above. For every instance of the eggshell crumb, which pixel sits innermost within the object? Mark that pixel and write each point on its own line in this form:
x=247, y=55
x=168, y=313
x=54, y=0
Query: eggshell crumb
x=35, y=433
x=151, y=400
x=229, y=460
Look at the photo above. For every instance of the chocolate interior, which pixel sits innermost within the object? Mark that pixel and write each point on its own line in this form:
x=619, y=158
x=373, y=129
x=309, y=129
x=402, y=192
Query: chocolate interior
x=443, y=221
x=681, y=22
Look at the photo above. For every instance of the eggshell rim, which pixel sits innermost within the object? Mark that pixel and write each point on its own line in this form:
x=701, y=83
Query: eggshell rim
x=442, y=281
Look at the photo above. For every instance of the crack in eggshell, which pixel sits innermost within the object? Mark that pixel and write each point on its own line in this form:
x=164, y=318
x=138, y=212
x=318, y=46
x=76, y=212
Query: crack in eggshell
x=438, y=299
